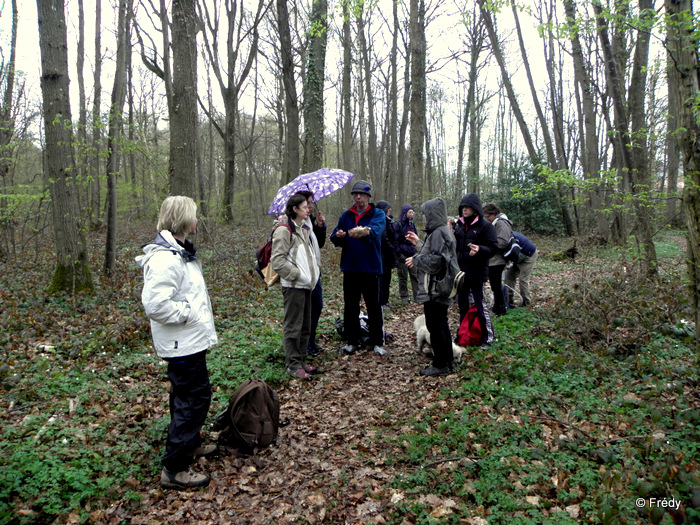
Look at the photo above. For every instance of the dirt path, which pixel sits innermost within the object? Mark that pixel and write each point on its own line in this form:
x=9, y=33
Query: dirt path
x=327, y=466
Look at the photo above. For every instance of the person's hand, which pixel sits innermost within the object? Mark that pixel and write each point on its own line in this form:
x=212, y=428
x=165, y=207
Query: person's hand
x=409, y=261
x=340, y=234
x=320, y=219
x=474, y=249
x=412, y=238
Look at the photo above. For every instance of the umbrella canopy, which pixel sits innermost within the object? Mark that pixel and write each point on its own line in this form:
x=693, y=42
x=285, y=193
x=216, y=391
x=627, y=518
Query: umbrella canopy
x=321, y=183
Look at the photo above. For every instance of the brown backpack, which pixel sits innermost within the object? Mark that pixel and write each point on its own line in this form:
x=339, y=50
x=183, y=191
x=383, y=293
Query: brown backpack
x=251, y=420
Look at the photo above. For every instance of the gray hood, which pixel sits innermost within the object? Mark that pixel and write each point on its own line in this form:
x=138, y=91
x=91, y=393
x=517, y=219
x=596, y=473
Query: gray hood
x=435, y=211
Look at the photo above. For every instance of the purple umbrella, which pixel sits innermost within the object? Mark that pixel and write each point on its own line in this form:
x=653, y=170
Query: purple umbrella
x=321, y=183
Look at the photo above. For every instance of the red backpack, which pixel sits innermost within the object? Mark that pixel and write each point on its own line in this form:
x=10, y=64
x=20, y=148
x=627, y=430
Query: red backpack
x=469, y=333
x=262, y=258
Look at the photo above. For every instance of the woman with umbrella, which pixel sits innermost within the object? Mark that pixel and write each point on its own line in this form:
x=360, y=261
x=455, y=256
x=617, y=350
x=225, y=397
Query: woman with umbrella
x=294, y=260
x=317, y=236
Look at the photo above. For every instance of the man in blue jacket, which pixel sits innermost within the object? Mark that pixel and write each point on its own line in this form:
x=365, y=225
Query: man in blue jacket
x=359, y=234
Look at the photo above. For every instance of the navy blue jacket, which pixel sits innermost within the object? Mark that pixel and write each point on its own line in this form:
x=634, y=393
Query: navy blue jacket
x=365, y=253
x=526, y=245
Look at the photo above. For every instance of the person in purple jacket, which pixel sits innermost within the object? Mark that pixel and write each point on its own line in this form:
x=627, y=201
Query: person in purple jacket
x=359, y=234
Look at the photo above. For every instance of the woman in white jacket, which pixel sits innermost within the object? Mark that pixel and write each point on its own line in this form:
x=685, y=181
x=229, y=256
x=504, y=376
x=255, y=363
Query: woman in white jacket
x=295, y=261
x=182, y=324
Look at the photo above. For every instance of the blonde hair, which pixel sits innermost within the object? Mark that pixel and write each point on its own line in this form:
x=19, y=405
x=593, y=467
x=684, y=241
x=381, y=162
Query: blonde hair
x=177, y=214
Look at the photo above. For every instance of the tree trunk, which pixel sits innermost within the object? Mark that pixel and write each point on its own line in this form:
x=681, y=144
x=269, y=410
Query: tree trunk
x=291, y=102
x=346, y=96
x=684, y=77
x=229, y=85
x=672, y=151
x=632, y=164
x=391, y=174
x=81, y=149
x=515, y=107
x=96, y=127
x=589, y=138
x=7, y=131
x=418, y=103
x=372, y=150
x=72, y=273
x=313, y=87
x=183, y=110
x=114, y=136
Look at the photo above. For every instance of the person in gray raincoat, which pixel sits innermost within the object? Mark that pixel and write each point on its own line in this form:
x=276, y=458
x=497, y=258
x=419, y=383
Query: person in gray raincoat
x=429, y=264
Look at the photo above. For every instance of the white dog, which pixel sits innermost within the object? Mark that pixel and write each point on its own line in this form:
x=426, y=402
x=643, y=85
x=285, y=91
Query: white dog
x=423, y=340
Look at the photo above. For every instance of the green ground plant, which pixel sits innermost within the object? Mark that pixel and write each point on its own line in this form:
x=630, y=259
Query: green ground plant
x=581, y=406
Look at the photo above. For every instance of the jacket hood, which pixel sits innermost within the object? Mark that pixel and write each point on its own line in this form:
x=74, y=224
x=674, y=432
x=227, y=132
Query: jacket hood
x=165, y=241
x=435, y=211
x=384, y=206
x=471, y=200
x=404, y=211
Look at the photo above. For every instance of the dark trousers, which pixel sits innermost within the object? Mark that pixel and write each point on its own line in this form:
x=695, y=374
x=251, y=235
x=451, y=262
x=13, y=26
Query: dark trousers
x=440, y=339
x=476, y=289
x=316, y=307
x=385, y=287
x=190, y=397
x=357, y=285
x=297, y=322
x=495, y=280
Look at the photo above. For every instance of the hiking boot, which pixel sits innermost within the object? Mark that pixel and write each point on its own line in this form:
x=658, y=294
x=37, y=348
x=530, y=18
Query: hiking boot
x=185, y=479
x=313, y=350
x=309, y=369
x=348, y=349
x=379, y=350
x=431, y=371
x=205, y=451
x=299, y=373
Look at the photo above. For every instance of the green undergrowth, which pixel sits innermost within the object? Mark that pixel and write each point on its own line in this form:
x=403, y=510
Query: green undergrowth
x=84, y=409
x=541, y=430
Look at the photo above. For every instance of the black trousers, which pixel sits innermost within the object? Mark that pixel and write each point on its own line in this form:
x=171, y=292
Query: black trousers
x=440, y=339
x=496, y=281
x=357, y=285
x=190, y=397
x=385, y=287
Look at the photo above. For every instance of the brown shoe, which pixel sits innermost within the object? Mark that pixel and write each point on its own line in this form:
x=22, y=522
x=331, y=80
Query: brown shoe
x=185, y=479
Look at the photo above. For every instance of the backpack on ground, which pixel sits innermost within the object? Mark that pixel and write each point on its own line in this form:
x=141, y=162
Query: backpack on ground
x=512, y=252
x=469, y=333
x=252, y=418
x=451, y=282
x=262, y=258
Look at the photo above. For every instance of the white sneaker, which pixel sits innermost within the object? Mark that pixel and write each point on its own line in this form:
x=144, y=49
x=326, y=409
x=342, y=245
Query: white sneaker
x=348, y=349
x=379, y=350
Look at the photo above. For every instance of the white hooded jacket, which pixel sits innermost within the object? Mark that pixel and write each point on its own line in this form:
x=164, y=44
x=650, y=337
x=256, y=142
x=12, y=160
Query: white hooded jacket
x=175, y=298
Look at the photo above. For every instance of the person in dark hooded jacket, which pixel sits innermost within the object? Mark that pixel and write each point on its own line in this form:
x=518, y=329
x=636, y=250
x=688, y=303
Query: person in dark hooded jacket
x=405, y=249
x=429, y=263
x=389, y=250
x=476, y=243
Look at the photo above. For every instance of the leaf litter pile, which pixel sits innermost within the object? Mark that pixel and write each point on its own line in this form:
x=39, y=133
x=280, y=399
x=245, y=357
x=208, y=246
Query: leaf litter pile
x=536, y=429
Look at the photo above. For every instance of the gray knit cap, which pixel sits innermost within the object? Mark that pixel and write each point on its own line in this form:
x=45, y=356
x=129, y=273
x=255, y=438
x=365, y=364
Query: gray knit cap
x=362, y=186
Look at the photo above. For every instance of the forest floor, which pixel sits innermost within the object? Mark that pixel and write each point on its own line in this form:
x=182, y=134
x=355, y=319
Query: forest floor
x=350, y=437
